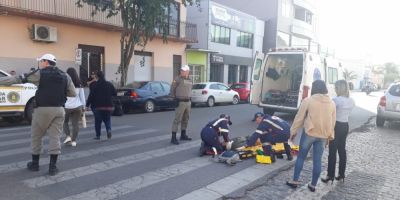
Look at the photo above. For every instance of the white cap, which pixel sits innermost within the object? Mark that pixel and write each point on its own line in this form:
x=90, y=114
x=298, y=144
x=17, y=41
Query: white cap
x=185, y=68
x=47, y=56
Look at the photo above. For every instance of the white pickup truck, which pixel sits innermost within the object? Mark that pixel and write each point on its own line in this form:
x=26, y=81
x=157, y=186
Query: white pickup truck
x=16, y=101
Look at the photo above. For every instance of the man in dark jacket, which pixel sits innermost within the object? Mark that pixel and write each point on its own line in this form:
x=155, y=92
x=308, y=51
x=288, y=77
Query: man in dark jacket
x=100, y=99
x=54, y=86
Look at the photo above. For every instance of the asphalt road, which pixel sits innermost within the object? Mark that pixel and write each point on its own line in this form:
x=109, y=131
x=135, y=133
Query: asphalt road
x=139, y=162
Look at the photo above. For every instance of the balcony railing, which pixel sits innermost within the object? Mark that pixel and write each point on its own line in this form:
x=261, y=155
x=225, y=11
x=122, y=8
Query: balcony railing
x=67, y=11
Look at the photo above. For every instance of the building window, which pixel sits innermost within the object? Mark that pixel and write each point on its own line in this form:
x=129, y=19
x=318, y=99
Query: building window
x=243, y=73
x=232, y=74
x=220, y=34
x=245, y=40
x=303, y=15
x=332, y=75
x=170, y=24
x=286, y=8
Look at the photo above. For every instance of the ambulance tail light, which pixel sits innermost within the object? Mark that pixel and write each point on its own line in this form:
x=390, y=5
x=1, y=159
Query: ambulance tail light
x=382, y=101
x=306, y=89
x=204, y=92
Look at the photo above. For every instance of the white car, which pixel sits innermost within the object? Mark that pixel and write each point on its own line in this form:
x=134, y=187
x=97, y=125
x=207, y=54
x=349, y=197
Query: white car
x=389, y=105
x=213, y=92
x=16, y=101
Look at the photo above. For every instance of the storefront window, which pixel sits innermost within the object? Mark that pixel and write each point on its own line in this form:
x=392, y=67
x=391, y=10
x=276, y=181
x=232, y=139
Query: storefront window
x=232, y=74
x=243, y=73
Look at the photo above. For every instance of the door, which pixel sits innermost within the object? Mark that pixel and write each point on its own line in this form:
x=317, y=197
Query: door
x=157, y=91
x=92, y=60
x=226, y=95
x=216, y=92
x=169, y=100
x=143, y=67
x=256, y=78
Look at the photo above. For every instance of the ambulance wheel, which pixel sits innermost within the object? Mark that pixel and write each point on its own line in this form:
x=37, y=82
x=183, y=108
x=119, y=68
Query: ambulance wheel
x=268, y=111
x=210, y=102
x=149, y=106
x=29, y=110
x=13, y=119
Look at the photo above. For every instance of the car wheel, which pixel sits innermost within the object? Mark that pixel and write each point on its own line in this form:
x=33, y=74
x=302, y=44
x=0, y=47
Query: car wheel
x=380, y=121
x=29, y=110
x=268, y=111
x=149, y=106
x=210, y=101
x=235, y=100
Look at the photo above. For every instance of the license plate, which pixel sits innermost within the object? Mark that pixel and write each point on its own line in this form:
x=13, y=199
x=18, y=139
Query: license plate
x=120, y=93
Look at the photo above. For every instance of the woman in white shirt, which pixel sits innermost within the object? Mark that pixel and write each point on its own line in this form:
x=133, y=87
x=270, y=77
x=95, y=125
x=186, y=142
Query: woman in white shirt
x=74, y=108
x=344, y=106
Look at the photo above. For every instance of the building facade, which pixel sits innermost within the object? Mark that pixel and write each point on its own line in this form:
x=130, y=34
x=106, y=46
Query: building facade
x=86, y=42
x=288, y=23
x=227, y=39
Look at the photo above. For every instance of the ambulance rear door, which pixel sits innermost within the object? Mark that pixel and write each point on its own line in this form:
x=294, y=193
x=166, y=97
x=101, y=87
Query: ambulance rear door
x=256, y=78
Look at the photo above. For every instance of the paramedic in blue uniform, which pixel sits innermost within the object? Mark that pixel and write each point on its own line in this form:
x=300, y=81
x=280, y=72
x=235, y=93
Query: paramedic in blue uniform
x=211, y=133
x=271, y=130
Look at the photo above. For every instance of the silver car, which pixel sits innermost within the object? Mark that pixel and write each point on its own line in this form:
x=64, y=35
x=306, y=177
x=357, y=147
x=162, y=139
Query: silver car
x=389, y=105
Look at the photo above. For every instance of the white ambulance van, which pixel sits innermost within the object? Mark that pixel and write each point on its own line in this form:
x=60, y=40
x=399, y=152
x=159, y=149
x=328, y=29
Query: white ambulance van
x=283, y=77
x=16, y=101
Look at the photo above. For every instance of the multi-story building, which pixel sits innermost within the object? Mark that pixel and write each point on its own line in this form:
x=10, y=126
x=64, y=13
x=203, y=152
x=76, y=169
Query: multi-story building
x=288, y=23
x=227, y=42
x=29, y=28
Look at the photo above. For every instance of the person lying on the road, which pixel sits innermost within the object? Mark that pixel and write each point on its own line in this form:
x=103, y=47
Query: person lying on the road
x=211, y=133
x=271, y=130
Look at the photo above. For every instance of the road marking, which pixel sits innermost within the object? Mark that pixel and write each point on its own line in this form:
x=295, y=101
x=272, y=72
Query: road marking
x=229, y=184
x=107, y=165
x=80, y=154
x=28, y=140
x=82, y=141
x=126, y=186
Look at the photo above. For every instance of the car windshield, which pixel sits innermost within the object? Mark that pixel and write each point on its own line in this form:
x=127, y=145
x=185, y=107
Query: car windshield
x=238, y=86
x=395, y=90
x=198, y=86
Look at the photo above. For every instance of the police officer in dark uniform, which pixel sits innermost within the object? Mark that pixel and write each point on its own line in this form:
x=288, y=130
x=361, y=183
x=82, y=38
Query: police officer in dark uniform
x=211, y=133
x=271, y=130
x=54, y=86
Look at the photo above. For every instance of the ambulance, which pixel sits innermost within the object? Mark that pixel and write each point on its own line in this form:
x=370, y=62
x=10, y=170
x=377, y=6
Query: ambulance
x=16, y=101
x=282, y=78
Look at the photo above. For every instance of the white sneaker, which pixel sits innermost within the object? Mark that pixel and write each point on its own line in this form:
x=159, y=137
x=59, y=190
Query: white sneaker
x=73, y=144
x=68, y=139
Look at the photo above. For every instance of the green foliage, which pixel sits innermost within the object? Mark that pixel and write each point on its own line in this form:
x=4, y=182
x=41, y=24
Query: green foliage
x=391, y=73
x=140, y=18
x=349, y=75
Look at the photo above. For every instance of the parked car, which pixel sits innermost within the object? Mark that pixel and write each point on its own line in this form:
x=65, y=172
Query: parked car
x=243, y=89
x=16, y=101
x=389, y=105
x=213, y=92
x=147, y=95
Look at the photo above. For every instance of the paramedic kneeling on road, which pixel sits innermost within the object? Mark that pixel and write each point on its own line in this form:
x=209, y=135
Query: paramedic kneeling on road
x=271, y=130
x=212, y=131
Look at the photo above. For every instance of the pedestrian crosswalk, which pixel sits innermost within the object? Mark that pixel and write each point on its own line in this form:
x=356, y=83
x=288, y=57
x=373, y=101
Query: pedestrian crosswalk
x=137, y=163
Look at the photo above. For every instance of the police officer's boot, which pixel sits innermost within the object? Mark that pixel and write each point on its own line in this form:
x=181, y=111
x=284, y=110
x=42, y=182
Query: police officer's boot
x=173, y=139
x=184, y=136
x=34, y=164
x=269, y=152
x=53, y=170
x=288, y=151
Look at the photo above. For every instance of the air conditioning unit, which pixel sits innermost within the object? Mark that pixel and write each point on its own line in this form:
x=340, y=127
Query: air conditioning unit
x=44, y=33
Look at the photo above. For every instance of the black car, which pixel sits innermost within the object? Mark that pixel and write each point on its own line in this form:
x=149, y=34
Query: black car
x=146, y=95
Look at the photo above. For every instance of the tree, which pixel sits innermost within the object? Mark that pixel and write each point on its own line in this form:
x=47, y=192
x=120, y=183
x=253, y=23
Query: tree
x=140, y=21
x=391, y=73
x=349, y=75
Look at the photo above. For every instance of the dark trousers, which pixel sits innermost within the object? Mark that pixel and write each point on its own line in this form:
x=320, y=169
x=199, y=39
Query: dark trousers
x=338, y=145
x=210, y=138
x=102, y=116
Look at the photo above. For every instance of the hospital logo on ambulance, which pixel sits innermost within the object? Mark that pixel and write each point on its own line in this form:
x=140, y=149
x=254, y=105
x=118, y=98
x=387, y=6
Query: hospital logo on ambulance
x=13, y=97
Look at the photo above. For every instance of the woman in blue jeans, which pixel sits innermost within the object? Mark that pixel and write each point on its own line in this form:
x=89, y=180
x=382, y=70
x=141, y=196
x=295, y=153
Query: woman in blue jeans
x=317, y=114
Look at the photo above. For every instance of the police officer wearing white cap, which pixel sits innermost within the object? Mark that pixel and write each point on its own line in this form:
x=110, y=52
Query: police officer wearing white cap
x=181, y=90
x=54, y=86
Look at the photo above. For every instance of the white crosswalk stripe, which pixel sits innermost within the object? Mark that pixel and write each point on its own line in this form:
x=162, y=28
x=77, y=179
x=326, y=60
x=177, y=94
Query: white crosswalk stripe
x=123, y=187
x=81, y=141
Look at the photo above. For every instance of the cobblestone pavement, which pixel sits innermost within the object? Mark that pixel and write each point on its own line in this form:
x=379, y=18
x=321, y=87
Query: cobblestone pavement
x=372, y=171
